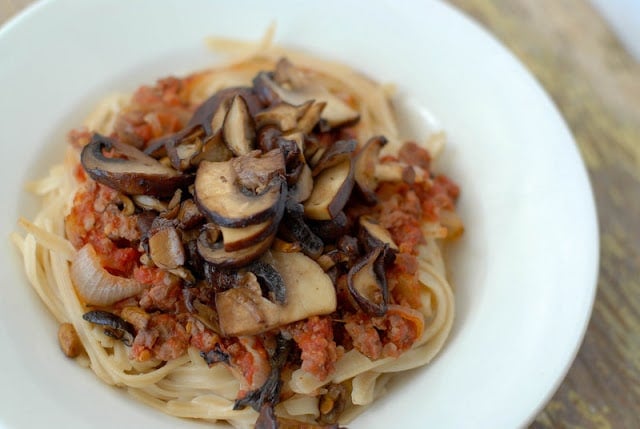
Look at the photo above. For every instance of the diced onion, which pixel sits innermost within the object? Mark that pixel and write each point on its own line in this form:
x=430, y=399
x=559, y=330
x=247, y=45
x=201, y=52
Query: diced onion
x=94, y=284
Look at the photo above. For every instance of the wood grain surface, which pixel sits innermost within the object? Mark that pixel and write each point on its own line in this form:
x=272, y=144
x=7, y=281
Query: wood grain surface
x=596, y=85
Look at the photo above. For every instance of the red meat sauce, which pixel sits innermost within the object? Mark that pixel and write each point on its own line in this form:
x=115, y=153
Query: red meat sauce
x=165, y=328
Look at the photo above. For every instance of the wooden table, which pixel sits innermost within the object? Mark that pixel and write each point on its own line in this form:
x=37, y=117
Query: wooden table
x=596, y=85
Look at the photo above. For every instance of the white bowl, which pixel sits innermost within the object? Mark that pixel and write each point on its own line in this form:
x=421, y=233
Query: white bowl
x=524, y=271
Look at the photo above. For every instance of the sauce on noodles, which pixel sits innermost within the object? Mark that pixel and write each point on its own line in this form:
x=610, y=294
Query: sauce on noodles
x=169, y=340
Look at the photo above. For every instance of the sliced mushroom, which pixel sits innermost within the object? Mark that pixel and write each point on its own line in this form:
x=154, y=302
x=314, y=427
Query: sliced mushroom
x=294, y=228
x=114, y=326
x=242, y=191
x=310, y=118
x=268, y=138
x=372, y=234
x=208, y=115
x=287, y=74
x=283, y=116
x=213, y=149
x=368, y=284
x=238, y=129
x=301, y=190
x=310, y=292
x=240, y=238
x=338, y=152
x=206, y=122
x=331, y=191
x=331, y=230
x=271, y=280
x=365, y=166
x=263, y=87
x=215, y=253
x=350, y=246
x=335, y=113
x=181, y=155
x=137, y=174
x=331, y=258
x=189, y=215
x=148, y=202
x=166, y=249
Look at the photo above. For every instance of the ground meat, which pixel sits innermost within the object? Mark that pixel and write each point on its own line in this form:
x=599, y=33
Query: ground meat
x=400, y=334
x=441, y=195
x=163, y=338
x=202, y=338
x=95, y=218
x=413, y=154
x=164, y=293
x=403, y=282
x=401, y=214
x=364, y=335
x=161, y=297
x=385, y=336
x=154, y=111
x=314, y=337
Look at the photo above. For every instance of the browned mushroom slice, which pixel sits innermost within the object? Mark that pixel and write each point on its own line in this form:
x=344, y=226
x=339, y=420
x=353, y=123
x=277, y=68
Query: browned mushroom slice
x=114, y=326
x=240, y=238
x=335, y=154
x=255, y=170
x=208, y=114
x=290, y=148
x=331, y=230
x=271, y=280
x=268, y=138
x=182, y=154
x=294, y=228
x=368, y=284
x=138, y=174
x=309, y=292
x=332, y=258
x=301, y=190
x=372, y=234
x=166, y=249
x=286, y=73
x=263, y=87
x=283, y=115
x=311, y=117
x=335, y=113
x=238, y=129
x=206, y=122
x=215, y=253
x=213, y=149
x=331, y=191
x=219, y=115
x=242, y=191
x=365, y=166
x=189, y=215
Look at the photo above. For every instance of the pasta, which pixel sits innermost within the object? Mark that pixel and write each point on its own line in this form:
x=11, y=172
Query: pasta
x=352, y=344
